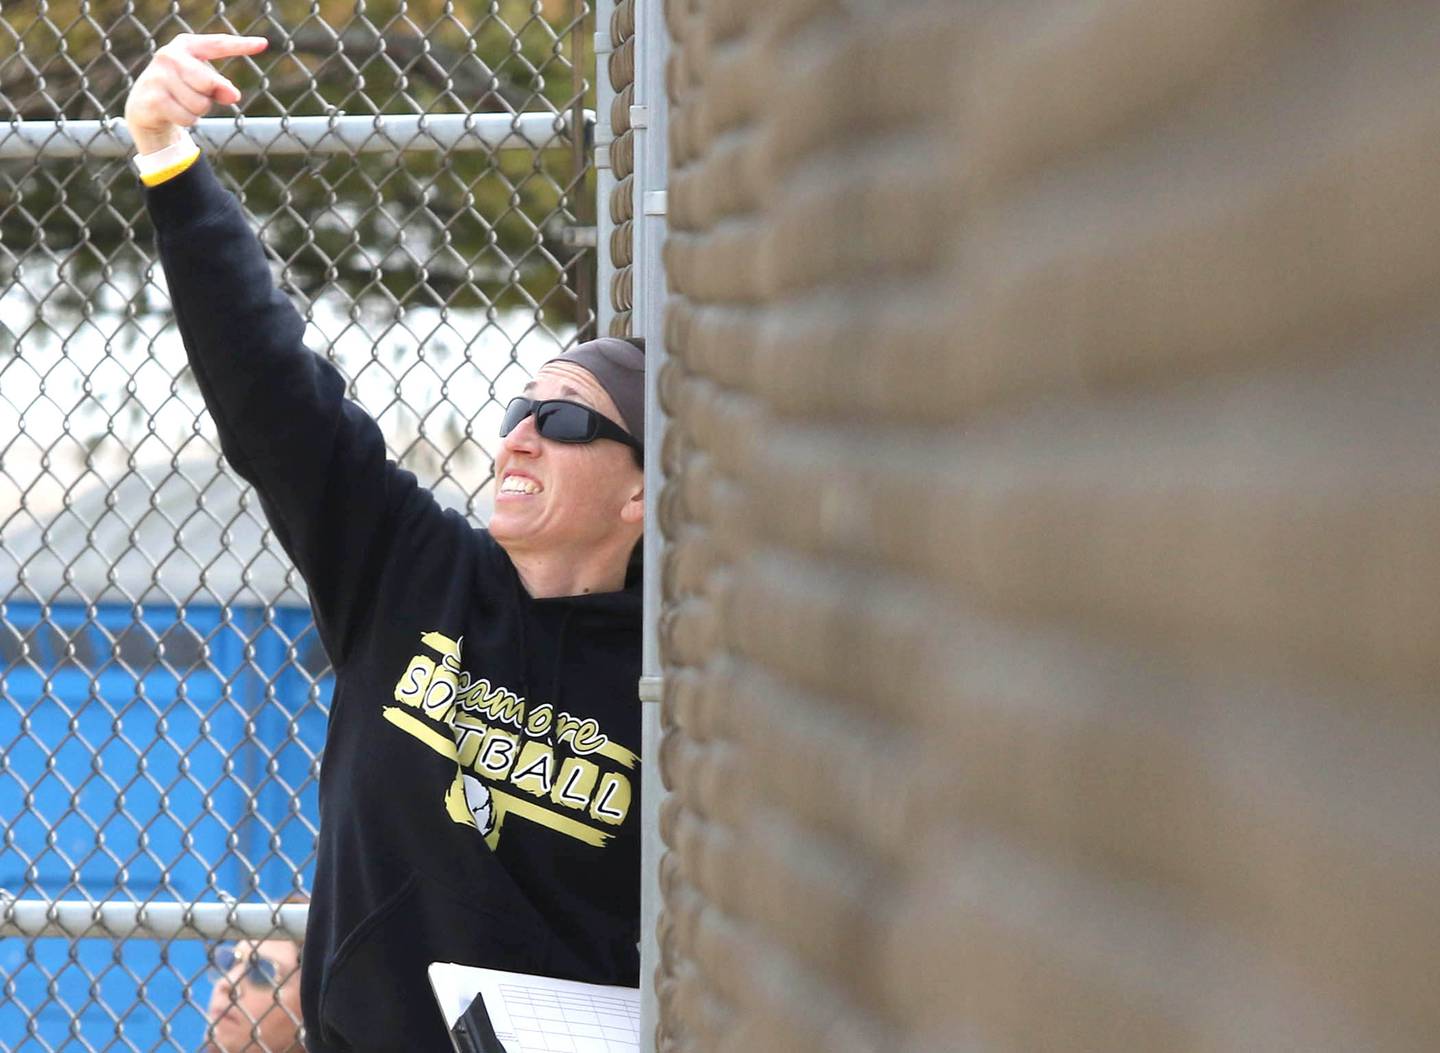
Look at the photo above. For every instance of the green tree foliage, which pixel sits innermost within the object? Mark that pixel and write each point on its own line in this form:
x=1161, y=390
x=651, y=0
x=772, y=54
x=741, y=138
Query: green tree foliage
x=467, y=230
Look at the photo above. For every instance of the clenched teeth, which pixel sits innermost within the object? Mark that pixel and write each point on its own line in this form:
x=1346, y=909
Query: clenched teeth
x=518, y=484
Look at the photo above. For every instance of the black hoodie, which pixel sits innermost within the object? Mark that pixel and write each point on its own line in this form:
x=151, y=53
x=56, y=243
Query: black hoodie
x=480, y=790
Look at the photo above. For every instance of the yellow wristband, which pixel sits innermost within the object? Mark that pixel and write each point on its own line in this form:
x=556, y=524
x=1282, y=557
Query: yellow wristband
x=155, y=168
x=170, y=171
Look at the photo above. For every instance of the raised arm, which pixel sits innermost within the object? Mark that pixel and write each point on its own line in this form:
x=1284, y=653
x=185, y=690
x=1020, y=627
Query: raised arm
x=317, y=460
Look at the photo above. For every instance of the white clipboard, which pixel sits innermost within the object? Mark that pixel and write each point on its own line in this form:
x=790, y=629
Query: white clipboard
x=534, y=1014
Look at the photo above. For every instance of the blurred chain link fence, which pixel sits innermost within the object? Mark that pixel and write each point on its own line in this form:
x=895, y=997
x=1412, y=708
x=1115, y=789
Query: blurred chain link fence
x=163, y=696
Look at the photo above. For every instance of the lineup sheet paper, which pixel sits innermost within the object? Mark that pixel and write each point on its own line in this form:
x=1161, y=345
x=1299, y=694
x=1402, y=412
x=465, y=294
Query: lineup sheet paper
x=539, y=1014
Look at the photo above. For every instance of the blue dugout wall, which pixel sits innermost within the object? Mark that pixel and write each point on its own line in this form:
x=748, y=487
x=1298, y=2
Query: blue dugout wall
x=168, y=755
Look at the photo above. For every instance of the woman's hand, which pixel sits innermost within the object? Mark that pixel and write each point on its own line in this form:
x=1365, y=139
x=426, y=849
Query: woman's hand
x=179, y=87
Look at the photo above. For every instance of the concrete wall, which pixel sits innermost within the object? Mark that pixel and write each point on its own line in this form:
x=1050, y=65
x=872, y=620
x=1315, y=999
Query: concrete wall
x=1051, y=574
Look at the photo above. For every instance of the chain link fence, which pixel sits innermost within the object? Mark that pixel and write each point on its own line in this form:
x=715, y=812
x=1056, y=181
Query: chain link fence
x=421, y=175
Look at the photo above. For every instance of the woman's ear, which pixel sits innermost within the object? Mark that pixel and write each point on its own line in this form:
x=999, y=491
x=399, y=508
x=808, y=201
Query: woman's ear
x=633, y=511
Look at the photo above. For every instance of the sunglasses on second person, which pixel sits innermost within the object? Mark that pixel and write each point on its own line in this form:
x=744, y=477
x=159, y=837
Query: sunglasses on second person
x=259, y=970
x=564, y=421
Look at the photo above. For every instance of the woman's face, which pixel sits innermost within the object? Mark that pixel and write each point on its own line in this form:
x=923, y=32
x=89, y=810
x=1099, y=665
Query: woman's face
x=255, y=1005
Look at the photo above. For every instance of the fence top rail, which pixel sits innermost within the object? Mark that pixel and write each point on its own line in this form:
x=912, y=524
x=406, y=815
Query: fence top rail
x=154, y=921
x=334, y=134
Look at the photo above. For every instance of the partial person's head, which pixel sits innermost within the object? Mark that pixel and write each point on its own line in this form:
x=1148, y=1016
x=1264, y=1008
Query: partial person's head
x=568, y=475
x=255, y=1004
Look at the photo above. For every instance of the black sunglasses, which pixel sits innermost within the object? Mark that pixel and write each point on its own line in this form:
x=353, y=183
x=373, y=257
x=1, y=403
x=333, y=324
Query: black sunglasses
x=566, y=421
x=259, y=970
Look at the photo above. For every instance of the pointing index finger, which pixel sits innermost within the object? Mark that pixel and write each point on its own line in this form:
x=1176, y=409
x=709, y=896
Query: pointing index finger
x=211, y=46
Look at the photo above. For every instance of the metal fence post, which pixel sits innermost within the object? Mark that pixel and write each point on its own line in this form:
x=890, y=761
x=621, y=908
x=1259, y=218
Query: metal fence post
x=648, y=117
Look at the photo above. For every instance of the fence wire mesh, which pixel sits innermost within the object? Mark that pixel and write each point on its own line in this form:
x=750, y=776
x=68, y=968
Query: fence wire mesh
x=163, y=695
